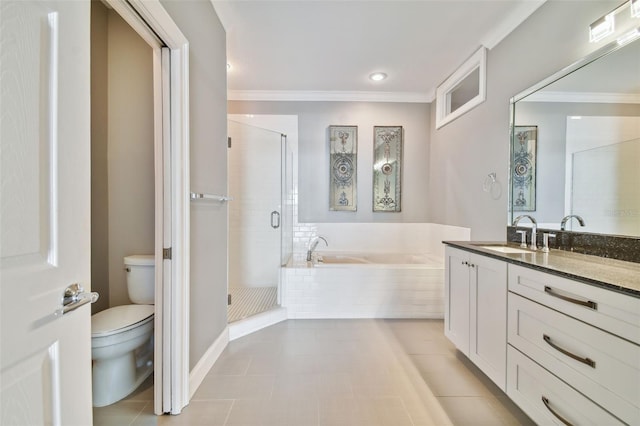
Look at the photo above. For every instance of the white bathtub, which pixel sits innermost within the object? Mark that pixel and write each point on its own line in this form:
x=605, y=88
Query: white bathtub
x=330, y=259
x=365, y=285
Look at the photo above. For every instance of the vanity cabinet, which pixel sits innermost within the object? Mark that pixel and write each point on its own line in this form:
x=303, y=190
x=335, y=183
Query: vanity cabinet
x=574, y=350
x=476, y=310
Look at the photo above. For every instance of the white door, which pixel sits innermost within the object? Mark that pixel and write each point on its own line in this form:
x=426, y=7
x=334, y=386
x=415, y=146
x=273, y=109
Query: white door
x=45, y=366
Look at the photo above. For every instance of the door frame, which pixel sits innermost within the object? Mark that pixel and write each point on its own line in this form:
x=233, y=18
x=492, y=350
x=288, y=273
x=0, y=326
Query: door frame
x=171, y=127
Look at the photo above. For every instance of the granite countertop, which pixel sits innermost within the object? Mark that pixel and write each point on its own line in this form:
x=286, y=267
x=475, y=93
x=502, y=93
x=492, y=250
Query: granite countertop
x=613, y=274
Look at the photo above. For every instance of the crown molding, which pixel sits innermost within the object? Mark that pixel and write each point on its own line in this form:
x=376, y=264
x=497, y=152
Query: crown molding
x=503, y=28
x=330, y=96
x=584, y=97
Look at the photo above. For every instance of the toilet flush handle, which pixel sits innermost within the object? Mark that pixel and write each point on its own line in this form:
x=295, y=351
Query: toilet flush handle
x=73, y=297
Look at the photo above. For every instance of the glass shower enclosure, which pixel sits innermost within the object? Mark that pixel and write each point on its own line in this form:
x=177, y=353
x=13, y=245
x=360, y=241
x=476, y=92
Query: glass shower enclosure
x=260, y=217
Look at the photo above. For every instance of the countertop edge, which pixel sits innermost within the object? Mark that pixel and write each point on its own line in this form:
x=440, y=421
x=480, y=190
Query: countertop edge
x=474, y=246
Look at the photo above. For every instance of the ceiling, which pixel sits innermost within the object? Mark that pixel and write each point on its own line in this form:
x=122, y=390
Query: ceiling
x=317, y=49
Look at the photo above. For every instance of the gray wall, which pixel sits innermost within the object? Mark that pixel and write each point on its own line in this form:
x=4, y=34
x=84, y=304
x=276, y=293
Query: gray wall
x=313, y=154
x=466, y=150
x=122, y=174
x=99, y=176
x=208, y=113
x=130, y=152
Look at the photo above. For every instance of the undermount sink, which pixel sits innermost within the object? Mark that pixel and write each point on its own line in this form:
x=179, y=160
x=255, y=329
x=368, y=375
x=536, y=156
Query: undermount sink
x=506, y=249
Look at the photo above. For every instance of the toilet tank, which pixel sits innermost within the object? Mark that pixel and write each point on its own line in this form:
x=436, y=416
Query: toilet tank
x=141, y=278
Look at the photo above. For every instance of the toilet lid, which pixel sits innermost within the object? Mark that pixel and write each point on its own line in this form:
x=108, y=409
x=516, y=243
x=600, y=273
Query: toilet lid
x=113, y=319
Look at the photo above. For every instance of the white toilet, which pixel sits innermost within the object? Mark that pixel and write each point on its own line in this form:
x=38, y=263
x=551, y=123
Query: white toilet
x=122, y=336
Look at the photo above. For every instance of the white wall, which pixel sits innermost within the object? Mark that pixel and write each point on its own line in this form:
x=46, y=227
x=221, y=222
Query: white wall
x=208, y=137
x=313, y=147
x=464, y=151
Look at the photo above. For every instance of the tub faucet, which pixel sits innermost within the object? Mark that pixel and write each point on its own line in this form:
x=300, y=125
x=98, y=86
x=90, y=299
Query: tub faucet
x=567, y=218
x=534, y=228
x=313, y=243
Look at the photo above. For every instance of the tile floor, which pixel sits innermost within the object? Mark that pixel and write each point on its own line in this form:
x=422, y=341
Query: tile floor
x=335, y=372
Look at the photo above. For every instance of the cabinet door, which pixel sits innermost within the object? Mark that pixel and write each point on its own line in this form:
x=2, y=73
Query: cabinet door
x=456, y=315
x=488, y=316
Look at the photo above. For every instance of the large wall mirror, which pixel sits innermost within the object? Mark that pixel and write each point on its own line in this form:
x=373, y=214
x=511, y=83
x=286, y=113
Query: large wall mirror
x=575, y=145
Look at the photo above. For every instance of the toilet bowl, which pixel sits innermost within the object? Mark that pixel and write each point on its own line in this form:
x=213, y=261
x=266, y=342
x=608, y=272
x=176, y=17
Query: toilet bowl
x=122, y=337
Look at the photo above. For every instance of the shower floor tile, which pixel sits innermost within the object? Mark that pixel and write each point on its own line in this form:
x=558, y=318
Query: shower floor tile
x=248, y=301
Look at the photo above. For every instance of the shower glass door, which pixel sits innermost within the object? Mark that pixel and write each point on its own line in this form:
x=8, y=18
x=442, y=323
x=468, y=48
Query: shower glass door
x=255, y=173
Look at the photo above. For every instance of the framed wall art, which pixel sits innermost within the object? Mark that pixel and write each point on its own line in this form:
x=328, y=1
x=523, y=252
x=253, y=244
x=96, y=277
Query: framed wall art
x=523, y=168
x=343, y=156
x=387, y=168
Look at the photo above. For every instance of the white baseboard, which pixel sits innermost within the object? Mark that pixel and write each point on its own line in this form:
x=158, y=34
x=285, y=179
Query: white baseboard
x=205, y=363
x=256, y=322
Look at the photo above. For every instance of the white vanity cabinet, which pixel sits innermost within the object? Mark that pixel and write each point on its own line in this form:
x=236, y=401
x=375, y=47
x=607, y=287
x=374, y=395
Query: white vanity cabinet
x=476, y=310
x=574, y=350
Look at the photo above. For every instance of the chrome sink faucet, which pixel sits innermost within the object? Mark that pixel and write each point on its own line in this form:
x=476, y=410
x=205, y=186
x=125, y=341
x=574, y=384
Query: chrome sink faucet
x=313, y=243
x=567, y=218
x=534, y=229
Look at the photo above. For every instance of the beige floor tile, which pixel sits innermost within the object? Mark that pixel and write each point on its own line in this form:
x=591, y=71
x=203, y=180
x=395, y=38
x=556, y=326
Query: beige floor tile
x=447, y=384
x=438, y=363
x=296, y=386
x=228, y=365
x=341, y=412
x=334, y=385
x=471, y=411
x=121, y=413
x=384, y=411
x=293, y=412
x=235, y=387
x=510, y=412
x=335, y=372
x=247, y=413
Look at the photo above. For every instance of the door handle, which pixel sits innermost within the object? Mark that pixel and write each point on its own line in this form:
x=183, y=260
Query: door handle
x=73, y=297
x=275, y=215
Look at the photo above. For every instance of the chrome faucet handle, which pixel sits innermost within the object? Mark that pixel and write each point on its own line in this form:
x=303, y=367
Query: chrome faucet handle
x=545, y=241
x=523, y=238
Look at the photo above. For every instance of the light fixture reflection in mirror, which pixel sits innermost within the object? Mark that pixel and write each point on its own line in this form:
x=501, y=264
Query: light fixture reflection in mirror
x=588, y=147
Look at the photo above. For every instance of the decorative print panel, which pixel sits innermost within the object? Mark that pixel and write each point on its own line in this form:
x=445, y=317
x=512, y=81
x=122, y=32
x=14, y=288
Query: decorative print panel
x=387, y=168
x=343, y=156
x=523, y=172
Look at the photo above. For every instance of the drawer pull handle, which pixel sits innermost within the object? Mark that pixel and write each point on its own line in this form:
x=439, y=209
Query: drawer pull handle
x=591, y=363
x=545, y=401
x=587, y=303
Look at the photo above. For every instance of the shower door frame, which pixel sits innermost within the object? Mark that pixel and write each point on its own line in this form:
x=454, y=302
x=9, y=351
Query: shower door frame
x=233, y=119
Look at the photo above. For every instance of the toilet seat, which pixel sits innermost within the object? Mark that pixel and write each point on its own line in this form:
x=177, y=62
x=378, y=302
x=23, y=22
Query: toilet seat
x=120, y=319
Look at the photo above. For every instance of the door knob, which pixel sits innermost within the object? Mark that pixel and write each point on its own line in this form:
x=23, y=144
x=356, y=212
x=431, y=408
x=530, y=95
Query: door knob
x=73, y=297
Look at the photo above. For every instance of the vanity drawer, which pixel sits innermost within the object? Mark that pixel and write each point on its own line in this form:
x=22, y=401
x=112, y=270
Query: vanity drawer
x=604, y=367
x=547, y=399
x=611, y=311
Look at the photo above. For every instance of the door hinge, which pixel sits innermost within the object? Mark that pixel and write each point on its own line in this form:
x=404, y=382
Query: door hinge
x=229, y=141
x=228, y=299
x=166, y=253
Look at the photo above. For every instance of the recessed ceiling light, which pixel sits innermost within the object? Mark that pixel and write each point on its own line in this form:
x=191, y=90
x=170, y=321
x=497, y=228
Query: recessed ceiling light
x=378, y=76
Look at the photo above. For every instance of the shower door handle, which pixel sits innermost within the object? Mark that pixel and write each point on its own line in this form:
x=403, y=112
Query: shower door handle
x=275, y=215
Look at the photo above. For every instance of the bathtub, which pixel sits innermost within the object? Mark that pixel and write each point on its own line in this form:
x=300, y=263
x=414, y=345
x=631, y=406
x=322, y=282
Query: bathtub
x=326, y=259
x=365, y=285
